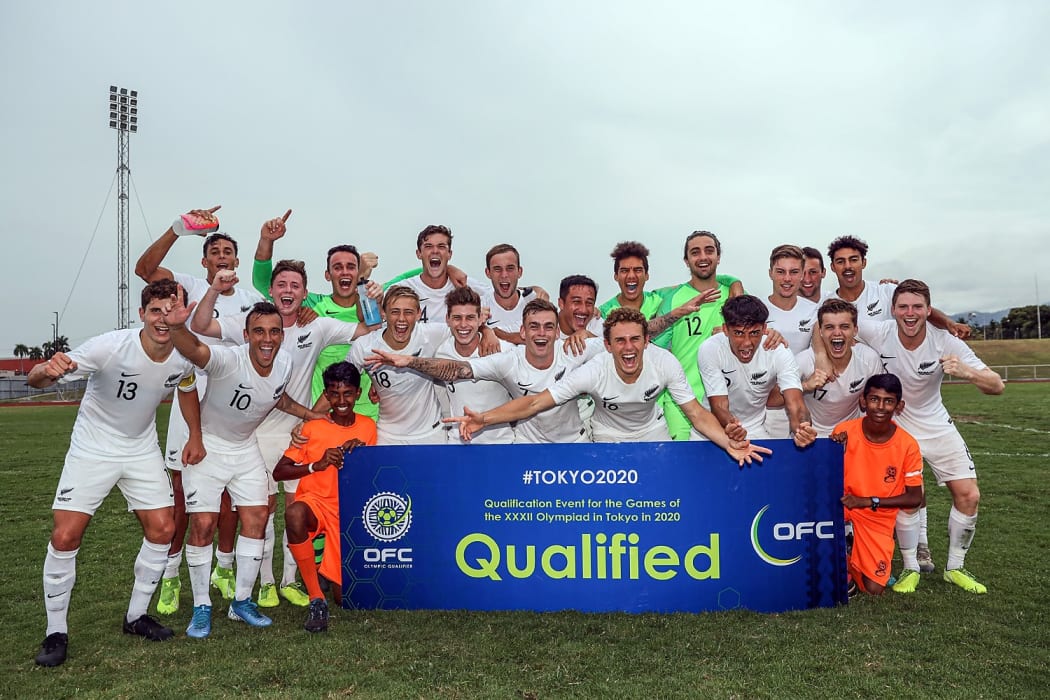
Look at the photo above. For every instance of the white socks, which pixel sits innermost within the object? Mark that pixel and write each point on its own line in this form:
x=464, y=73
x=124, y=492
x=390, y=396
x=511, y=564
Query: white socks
x=249, y=558
x=266, y=566
x=171, y=570
x=149, y=567
x=198, y=562
x=908, y=537
x=60, y=573
x=960, y=535
x=290, y=567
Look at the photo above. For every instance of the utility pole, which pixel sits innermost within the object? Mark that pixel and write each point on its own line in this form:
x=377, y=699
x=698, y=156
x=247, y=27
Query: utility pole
x=123, y=117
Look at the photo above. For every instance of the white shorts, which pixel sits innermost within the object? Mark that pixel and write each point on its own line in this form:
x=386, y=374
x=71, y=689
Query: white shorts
x=948, y=457
x=178, y=431
x=86, y=481
x=776, y=424
x=272, y=448
x=242, y=473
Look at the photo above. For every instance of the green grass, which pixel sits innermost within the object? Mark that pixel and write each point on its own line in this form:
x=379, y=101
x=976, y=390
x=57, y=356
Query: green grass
x=1013, y=352
x=939, y=642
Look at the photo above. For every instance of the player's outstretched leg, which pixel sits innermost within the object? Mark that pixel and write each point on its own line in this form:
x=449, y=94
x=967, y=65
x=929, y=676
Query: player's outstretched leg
x=149, y=565
x=60, y=573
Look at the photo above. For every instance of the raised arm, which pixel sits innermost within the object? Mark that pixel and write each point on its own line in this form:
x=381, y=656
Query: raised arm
x=148, y=268
x=187, y=344
x=661, y=323
x=442, y=370
x=204, y=321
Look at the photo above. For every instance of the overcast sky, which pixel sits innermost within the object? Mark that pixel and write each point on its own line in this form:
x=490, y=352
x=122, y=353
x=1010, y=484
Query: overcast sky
x=560, y=127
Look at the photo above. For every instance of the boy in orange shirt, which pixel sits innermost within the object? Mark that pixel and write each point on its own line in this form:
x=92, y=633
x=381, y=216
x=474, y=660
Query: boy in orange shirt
x=317, y=462
x=882, y=474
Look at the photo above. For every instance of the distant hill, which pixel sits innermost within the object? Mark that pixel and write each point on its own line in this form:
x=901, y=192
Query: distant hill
x=981, y=318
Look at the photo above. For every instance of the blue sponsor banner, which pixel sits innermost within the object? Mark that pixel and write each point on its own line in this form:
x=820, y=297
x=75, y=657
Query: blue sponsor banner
x=593, y=527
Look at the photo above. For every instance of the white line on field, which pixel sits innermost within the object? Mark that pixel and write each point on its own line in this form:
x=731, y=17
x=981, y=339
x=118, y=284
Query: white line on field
x=1011, y=454
x=1008, y=427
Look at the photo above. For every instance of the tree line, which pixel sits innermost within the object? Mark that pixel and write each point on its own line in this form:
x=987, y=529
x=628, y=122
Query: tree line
x=1020, y=322
x=44, y=351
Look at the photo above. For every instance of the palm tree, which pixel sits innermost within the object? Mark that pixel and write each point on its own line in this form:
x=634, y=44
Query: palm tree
x=35, y=353
x=48, y=348
x=61, y=344
x=21, y=352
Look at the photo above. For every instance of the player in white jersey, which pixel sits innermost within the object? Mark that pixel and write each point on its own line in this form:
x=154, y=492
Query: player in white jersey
x=921, y=355
x=526, y=369
x=626, y=382
x=409, y=412
x=464, y=322
x=835, y=398
x=246, y=383
x=505, y=300
x=302, y=345
x=219, y=253
x=576, y=315
x=813, y=274
x=789, y=314
x=434, y=250
x=740, y=375
x=114, y=443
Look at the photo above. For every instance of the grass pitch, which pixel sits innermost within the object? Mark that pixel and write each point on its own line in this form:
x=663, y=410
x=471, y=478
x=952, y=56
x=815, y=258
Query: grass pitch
x=939, y=642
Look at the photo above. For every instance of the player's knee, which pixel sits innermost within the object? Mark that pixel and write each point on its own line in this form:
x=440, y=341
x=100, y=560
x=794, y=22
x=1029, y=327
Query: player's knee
x=66, y=539
x=296, y=517
x=873, y=587
x=202, y=528
x=160, y=531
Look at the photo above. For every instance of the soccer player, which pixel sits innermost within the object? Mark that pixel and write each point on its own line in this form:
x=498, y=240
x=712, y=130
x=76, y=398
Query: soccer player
x=813, y=274
x=302, y=345
x=506, y=300
x=576, y=318
x=464, y=322
x=835, y=398
x=740, y=374
x=220, y=253
x=882, y=474
x=701, y=253
x=409, y=412
x=246, y=383
x=526, y=369
x=921, y=355
x=114, y=443
x=316, y=465
x=434, y=249
x=625, y=382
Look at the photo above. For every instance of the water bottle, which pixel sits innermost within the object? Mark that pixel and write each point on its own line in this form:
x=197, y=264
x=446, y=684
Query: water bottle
x=369, y=306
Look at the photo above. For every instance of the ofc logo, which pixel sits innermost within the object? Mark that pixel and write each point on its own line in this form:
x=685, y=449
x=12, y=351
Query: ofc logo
x=788, y=532
x=387, y=516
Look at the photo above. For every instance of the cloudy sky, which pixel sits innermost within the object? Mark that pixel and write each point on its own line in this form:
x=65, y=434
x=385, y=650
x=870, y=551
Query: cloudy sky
x=561, y=127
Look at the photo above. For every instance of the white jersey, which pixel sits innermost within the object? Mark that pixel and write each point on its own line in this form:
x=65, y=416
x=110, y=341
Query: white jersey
x=560, y=424
x=226, y=305
x=302, y=345
x=117, y=418
x=596, y=326
x=627, y=412
x=478, y=395
x=508, y=320
x=795, y=324
x=875, y=302
x=238, y=398
x=408, y=400
x=838, y=401
x=432, y=308
x=747, y=385
x=920, y=372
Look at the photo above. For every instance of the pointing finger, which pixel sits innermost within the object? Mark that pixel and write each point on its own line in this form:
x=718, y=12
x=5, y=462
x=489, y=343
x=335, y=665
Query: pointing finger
x=286, y=215
x=214, y=209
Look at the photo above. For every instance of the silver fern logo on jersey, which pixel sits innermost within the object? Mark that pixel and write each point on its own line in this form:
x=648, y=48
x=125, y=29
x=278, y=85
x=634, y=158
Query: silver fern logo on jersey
x=387, y=516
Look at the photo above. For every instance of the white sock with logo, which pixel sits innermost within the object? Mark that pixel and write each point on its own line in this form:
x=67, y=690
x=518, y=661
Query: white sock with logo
x=198, y=563
x=960, y=535
x=171, y=570
x=249, y=557
x=60, y=573
x=908, y=538
x=149, y=567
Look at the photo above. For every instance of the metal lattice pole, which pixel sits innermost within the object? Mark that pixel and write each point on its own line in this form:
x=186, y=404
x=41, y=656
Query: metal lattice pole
x=123, y=116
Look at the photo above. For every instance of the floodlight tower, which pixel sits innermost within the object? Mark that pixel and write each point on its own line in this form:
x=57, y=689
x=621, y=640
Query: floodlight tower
x=124, y=117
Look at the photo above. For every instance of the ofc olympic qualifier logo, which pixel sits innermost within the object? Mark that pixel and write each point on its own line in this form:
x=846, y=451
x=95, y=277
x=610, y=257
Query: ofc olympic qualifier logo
x=387, y=516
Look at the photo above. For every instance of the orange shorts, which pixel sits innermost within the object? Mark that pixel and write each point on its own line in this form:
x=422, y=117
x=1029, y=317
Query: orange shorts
x=872, y=554
x=327, y=514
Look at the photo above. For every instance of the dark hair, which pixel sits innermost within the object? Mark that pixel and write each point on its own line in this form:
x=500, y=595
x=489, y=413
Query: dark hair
x=886, y=382
x=288, y=266
x=161, y=289
x=431, y=230
x=536, y=306
x=629, y=249
x=914, y=287
x=786, y=251
x=499, y=250
x=341, y=373
x=462, y=295
x=576, y=281
x=697, y=234
x=848, y=242
x=813, y=253
x=218, y=236
x=744, y=310
x=345, y=248
x=624, y=314
x=836, y=306
x=261, y=308
x=398, y=291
